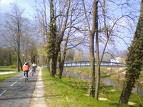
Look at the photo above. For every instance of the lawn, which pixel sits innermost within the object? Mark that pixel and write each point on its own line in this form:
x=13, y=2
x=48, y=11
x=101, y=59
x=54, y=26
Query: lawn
x=87, y=69
x=105, y=71
x=70, y=92
x=7, y=69
x=6, y=76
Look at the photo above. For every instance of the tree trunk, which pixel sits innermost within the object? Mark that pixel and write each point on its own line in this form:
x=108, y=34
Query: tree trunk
x=92, y=61
x=52, y=41
x=18, y=47
x=124, y=98
x=57, y=38
x=10, y=58
x=20, y=62
x=61, y=68
x=61, y=64
x=53, y=66
x=134, y=61
x=97, y=57
x=92, y=57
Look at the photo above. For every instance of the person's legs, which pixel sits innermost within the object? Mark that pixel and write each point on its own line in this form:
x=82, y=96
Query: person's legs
x=24, y=73
x=33, y=71
x=27, y=74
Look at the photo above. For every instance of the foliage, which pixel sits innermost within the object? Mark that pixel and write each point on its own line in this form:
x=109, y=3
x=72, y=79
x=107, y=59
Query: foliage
x=7, y=56
x=134, y=61
x=51, y=46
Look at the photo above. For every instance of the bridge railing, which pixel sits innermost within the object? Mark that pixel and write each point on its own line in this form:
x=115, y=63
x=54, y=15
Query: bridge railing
x=87, y=63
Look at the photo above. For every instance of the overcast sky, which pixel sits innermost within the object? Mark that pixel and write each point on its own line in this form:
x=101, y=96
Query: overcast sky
x=27, y=5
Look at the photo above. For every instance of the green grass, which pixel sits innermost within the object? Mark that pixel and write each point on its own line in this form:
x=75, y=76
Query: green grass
x=78, y=69
x=6, y=76
x=107, y=92
x=7, y=68
x=73, y=93
x=86, y=70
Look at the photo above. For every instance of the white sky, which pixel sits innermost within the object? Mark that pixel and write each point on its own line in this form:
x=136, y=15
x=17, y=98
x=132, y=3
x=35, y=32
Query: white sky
x=27, y=5
x=6, y=2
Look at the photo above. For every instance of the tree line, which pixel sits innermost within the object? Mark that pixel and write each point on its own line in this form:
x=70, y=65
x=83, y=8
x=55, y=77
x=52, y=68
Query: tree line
x=17, y=39
x=96, y=20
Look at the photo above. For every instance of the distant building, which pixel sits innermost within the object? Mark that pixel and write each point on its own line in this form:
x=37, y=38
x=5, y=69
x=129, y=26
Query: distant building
x=114, y=61
x=118, y=60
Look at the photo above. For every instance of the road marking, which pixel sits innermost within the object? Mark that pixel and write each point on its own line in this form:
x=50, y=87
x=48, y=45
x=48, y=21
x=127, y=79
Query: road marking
x=13, y=83
x=3, y=92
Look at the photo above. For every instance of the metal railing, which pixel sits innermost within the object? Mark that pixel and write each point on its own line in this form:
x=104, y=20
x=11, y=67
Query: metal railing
x=87, y=63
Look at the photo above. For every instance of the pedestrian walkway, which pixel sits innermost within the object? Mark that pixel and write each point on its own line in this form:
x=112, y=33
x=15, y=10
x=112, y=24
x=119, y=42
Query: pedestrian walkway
x=38, y=99
x=4, y=73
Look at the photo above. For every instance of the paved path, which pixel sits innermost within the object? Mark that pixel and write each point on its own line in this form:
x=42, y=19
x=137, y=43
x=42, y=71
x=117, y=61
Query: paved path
x=17, y=93
x=3, y=73
x=38, y=99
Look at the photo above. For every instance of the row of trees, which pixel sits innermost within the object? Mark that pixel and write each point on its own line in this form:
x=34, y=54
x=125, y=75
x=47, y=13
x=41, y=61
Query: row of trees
x=66, y=18
x=61, y=32
x=7, y=57
x=18, y=37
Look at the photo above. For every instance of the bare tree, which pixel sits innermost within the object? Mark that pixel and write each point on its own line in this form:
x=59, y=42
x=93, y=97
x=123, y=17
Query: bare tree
x=70, y=19
x=14, y=26
x=91, y=32
x=17, y=33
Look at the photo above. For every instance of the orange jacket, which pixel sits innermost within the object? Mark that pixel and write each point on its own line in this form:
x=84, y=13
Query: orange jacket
x=25, y=67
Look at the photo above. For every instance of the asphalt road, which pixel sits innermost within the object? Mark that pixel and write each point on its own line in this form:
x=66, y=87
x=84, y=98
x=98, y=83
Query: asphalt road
x=15, y=92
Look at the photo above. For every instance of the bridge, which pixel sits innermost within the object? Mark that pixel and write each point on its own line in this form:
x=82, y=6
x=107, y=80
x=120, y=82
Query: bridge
x=87, y=64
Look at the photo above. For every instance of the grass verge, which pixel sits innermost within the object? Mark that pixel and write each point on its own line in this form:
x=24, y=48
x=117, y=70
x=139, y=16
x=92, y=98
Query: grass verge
x=73, y=93
x=7, y=68
x=6, y=76
x=87, y=70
